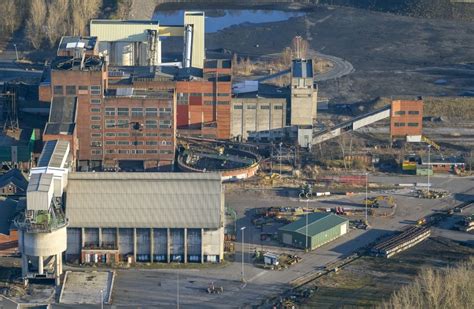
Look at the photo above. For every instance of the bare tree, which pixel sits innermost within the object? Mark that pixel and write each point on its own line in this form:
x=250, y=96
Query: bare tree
x=56, y=21
x=82, y=11
x=124, y=7
x=35, y=23
x=9, y=20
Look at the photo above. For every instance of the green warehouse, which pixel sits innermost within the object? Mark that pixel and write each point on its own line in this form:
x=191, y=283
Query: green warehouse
x=322, y=228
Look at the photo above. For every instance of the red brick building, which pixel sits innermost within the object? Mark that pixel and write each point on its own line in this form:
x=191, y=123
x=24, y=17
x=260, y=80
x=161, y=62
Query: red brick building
x=132, y=114
x=406, y=118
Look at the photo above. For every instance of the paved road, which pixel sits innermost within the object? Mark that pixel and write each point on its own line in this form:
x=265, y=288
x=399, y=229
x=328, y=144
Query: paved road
x=341, y=68
x=159, y=287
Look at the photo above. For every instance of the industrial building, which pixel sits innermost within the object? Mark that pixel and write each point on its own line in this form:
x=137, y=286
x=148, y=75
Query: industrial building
x=406, y=119
x=145, y=217
x=258, y=114
x=314, y=231
x=303, y=93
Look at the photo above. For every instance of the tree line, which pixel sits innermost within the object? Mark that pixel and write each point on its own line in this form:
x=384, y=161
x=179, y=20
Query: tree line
x=46, y=21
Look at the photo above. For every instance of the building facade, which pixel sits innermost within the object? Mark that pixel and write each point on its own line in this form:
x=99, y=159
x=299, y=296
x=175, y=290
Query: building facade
x=406, y=118
x=145, y=217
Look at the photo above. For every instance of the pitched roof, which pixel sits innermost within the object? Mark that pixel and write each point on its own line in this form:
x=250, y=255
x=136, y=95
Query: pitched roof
x=317, y=223
x=16, y=177
x=145, y=200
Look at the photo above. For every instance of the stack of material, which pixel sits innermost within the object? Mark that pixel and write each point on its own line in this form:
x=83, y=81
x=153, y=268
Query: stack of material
x=407, y=239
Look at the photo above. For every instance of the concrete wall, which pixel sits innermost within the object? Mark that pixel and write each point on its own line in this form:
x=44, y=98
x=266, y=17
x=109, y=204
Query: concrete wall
x=43, y=244
x=256, y=114
x=148, y=245
x=303, y=101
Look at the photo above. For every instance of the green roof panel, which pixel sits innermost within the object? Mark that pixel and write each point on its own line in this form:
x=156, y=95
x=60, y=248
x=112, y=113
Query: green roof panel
x=317, y=223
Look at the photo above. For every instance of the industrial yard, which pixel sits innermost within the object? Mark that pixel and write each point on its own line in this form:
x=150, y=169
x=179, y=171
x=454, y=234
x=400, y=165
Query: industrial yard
x=260, y=154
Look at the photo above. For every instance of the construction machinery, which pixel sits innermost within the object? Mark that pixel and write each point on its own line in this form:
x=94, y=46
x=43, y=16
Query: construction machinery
x=212, y=289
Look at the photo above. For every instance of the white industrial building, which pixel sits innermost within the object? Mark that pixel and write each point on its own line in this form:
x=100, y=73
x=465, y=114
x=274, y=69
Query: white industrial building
x=113, y=217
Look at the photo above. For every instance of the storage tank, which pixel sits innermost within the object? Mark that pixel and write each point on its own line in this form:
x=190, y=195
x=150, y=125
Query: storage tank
x=123, y=54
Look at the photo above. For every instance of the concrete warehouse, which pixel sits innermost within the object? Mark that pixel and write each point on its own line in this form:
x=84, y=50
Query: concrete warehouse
x=145, y=217
x=321, y=229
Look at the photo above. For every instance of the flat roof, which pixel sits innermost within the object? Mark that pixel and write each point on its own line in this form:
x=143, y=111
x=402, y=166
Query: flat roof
x=317, y=223
x=40, y=182
x=53, y=154
x=72, y=42
x=124, y=22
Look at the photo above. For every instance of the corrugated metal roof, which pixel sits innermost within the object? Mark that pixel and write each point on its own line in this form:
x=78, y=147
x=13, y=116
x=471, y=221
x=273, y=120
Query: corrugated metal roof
x=145, y=200
x=317, y=223
x=40, y=182
x=54, y=154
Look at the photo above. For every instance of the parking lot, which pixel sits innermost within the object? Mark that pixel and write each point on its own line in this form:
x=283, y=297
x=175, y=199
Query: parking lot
x=154, y=287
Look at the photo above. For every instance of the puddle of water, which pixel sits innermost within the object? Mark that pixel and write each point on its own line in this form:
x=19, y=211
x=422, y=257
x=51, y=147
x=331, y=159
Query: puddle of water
x=219, y=19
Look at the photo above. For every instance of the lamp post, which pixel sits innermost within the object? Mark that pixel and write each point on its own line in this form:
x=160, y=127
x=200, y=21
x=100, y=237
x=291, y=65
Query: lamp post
x=306, y=226
x=429, y=167
x=243, y=248
x=102, y=299
x=280, y=157
x=16, y=52
x=177, y=285
x=366, y=197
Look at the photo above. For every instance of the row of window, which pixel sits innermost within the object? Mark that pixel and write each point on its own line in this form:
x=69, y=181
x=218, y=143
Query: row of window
x=218, y=102
x=410, y=124
x=401, y=113
x=149, y=124
x=277, y=107
x=196, y=94
x=131, y=151
x=137, y=111
x=73, y=90
x=126, y=134
x=133, y=143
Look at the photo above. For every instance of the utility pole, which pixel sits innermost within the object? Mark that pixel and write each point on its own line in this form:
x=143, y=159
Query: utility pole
x=177, y=286
x=102, y=299
x=242, y=272
x=306, y=232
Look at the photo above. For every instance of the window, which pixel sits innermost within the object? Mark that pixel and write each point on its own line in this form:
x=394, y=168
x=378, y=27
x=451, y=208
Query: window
x=122, y=123
x=96, y=134
x=96, y=144
x=237, y=106
x=413, y=124
x=399, y=124
x=251, y=107
x=137, y=143
x=209, y=102
x=70, y=90
x=137, y=112
x=165, y=124
x=95, y=118
x=58, y=90
x=110, y=151
x=208, y=94
x=264, y=106
x=95, y=90
x=123, y=151
x=166, y=151
x=400, y=113
x=151, y=134
x=165, y=134
x=195, y=94
x=152, y=151
x=123, y=134
x=413, y=112
x=151, y=143
x=95, y=110
x=222, y=94
x=95, y=127
x=123, y=143
x=223, y=102
x=165, y=111
x=151, y=124
x=137, y=151
x=278, y=107
x=109, y=123
x=165, y=143
x=110, y=134
x=183, y=99
x=110, y=142
x=84, y=88
x=122, y=111
x=95, y=101
x=151, y=112
x=96, y=152
x=109, y=111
